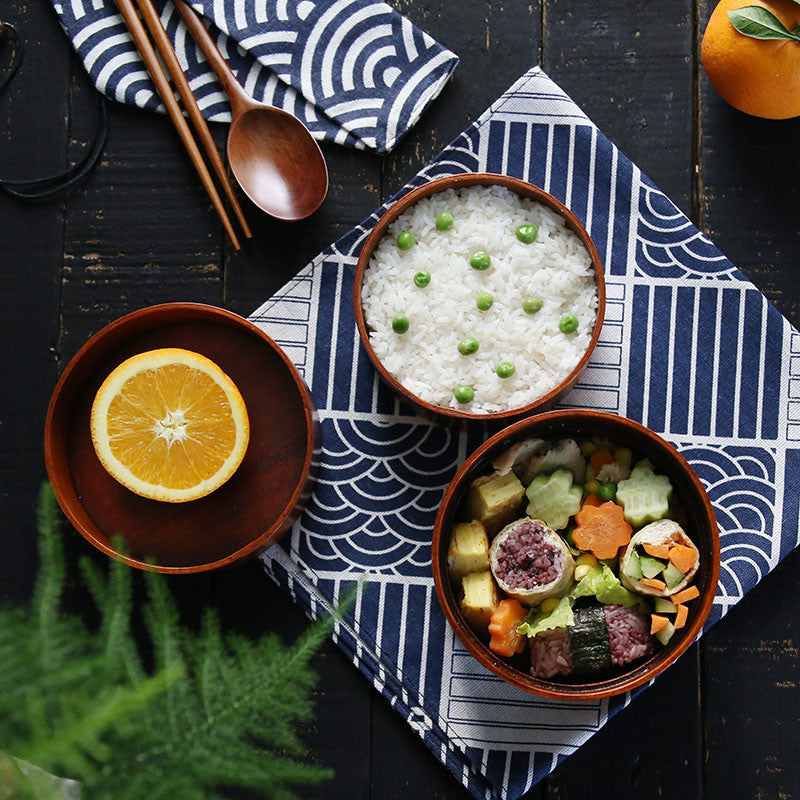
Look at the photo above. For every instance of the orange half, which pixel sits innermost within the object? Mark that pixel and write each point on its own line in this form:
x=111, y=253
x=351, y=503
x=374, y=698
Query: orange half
x=170, y=425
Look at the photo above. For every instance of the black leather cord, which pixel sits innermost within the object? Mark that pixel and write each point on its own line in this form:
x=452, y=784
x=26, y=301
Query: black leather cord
x=49, y=185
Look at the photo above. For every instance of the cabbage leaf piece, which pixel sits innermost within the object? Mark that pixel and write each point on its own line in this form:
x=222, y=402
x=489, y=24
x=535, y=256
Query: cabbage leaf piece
x=602, y=583
x=537, y=622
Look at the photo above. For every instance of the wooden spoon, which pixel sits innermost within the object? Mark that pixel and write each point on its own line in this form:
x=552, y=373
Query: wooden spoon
x=273, y=156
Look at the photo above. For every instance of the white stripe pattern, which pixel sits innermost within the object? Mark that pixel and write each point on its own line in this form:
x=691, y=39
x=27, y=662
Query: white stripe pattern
x=327, y=55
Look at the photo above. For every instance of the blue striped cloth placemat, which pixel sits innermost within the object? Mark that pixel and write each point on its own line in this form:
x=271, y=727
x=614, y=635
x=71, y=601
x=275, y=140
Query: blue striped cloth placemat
x=689, y=347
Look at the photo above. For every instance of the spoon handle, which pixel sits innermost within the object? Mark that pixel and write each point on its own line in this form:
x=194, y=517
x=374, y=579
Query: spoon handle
x=239, y=99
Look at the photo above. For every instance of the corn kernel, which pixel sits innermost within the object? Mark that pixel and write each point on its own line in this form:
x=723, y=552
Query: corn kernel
x=592, y=486
x=623, y=456
x=587, y=448
x=590, y=473
x=586, y=558
x=582, y=571
x=548, y=605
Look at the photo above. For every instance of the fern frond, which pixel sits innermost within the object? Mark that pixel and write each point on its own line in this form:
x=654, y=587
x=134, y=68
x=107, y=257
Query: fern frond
x=162, y=620
x=219, y=710
x=52, y=572
x=48, y=748
x=112, y=598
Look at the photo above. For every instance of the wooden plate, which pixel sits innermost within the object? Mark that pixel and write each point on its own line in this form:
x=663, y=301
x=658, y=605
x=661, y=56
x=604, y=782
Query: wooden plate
x=523, y=189
x=252, y=510
x=701, y=527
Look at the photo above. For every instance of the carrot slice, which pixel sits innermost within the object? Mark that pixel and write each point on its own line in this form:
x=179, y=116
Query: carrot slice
x=600, y=458
x=653, y=583
x=681, y=556
x=602, y=529
x=592, y=500
x=503, y=626
x=687, y=594
x=657, y=550
x=657, y=622
x=680, y=617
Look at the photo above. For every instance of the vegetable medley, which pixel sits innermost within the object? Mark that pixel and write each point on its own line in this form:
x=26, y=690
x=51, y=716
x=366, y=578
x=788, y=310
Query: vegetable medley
x=598, y=567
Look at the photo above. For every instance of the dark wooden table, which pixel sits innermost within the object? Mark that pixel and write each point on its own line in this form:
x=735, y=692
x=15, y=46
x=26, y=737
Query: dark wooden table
x=724, y=721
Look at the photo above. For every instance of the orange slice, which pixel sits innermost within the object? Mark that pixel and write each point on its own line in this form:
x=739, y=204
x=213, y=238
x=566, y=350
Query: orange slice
x=170, y=425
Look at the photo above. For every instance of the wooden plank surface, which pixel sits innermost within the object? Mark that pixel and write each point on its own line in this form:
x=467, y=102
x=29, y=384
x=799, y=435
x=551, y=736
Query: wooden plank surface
x=748, y=204
x=36, y=103
x=142, y=231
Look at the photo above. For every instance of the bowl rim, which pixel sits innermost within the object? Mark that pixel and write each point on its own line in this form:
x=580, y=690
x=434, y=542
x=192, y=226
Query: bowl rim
x=520, y=187
x=60, y=481
x=501, y=668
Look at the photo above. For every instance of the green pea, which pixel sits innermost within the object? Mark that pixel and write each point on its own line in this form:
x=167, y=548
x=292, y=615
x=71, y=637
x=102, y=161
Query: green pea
x=464, y=394
x=480, y=260
x=607, y=491
x=530, y=305
x=400, y=323
x=444, y=221
x=527, y=233
x=468, y=346
x=485, y=301
x=406, y=240
x=422, y=278
x=505, y=369
x=568, y=324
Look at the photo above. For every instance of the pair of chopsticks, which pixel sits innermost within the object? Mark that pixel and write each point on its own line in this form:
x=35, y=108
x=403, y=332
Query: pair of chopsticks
x=159, y=77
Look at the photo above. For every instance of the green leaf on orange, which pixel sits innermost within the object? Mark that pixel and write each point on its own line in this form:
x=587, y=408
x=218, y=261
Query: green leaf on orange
x=758, y=23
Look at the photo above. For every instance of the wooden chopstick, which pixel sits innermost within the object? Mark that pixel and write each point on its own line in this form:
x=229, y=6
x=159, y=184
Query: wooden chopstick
x=153, y=65
x=164, y=45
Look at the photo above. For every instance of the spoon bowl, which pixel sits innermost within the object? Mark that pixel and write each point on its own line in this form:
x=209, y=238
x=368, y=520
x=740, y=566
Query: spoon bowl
x=274, y=157
x=277, y=163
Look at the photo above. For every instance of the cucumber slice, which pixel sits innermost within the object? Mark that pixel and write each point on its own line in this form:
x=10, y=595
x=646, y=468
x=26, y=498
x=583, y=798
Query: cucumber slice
x=644, y=496
x=664, y=606
x=665, y=634
x=554, y=499
x=651, y=566
x=672, y=575
x=634, y=567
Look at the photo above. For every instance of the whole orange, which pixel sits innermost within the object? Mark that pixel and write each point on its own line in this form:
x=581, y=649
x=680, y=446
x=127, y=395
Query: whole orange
x=759, y=77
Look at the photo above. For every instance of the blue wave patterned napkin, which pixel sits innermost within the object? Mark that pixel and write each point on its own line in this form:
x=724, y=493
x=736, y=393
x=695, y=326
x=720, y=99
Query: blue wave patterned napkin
x=689, y=347
x=354, y=71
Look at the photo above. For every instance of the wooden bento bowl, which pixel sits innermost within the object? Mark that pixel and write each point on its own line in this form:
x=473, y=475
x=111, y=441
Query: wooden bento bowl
x=253, y=509
x=459, y=181
x=701, y=527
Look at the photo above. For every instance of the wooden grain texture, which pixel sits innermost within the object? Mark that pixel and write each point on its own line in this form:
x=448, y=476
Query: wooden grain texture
x=749, y=196
x=35, y=103
x=631, y=68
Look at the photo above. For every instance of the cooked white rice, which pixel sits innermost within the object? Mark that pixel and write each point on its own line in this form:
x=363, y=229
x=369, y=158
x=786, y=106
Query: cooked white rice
x=556, y=268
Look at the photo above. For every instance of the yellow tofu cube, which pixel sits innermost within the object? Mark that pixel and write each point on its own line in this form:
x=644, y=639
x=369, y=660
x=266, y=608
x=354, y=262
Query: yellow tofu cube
x=479, y=599
x=469, y=549
x=494, y=500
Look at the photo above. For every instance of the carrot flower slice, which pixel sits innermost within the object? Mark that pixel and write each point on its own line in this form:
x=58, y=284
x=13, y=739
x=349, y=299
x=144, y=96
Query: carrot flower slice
x=503, y=628
x=602, y=529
